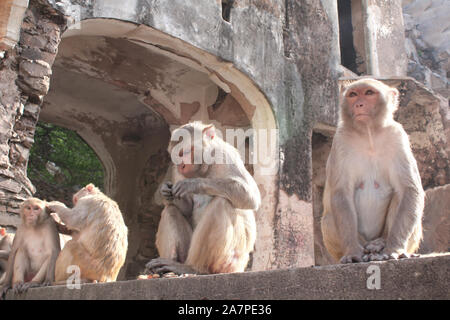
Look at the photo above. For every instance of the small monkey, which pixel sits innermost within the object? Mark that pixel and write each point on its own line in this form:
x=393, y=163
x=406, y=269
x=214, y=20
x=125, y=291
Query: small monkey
x=34, y=249
x=99, y=239
x=373, y=199
x=6, y=241
x=208, y=223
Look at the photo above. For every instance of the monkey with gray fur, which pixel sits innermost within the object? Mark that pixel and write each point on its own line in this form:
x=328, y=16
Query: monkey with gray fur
x=208, y=223
x=373, y=198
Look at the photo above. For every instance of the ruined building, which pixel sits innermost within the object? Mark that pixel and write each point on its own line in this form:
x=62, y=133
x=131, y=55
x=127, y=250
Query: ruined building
x=122, y=73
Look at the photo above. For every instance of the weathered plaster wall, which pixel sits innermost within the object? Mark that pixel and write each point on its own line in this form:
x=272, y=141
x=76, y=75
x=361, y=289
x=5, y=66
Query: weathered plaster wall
x=427, y=42
x=384, y=37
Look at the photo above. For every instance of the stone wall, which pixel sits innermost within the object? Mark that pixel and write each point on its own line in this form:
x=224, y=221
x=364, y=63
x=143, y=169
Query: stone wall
x=427, y=42
x=25, y=77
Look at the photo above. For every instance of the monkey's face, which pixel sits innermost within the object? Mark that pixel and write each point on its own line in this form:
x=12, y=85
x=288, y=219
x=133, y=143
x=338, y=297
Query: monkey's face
x=33, y=212
x=362, y=103
x=88, y=190
x=187, y=167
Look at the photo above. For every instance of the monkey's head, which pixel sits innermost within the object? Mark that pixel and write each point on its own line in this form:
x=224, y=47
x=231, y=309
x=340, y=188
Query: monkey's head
x=197, y=138
x=367, y=102
x=90, y=189
x=33, y=212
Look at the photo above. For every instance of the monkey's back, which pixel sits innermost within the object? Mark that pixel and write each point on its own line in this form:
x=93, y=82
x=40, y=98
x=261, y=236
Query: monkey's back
x=105, y=235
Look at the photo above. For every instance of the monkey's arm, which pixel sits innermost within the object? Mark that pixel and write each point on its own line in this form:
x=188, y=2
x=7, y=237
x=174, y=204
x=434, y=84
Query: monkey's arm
x=184, y=204
x=407, y=184
x=345, y=218
x=338, y=202
x=56, y=248
x=67, y=215
x=238, y=191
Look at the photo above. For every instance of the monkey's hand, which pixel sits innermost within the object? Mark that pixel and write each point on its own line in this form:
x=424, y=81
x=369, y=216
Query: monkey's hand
x=160, y=266
x=55, y=217
x=166, y=192
x=185, y=187
x=373, y=250
x=53, y=206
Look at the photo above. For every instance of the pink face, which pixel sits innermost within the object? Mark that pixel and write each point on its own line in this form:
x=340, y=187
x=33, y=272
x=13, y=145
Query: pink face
x=362, y=103
x=187, y=167
x=31, y=212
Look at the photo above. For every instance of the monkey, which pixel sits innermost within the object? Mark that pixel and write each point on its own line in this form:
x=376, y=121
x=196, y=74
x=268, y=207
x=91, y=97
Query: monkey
x=99, y=241
x=373, y=198
x=208, y=223
x=34, y=249
x=6, y=240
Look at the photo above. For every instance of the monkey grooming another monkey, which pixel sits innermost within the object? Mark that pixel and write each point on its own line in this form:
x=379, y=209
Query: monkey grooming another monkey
x=6, y=241
x=208, y=223
x=373, y=199
x=99, y=243
x=34, y=249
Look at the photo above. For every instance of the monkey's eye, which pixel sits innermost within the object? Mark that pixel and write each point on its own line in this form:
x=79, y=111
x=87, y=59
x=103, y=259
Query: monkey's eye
x=352, y=94
x=36, y=208
x=370, y=92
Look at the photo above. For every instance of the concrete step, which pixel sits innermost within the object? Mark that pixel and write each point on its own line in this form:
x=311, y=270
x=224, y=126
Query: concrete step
x=426, y=277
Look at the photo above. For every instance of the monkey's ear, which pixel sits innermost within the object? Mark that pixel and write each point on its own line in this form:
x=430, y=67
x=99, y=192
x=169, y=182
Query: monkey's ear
x=210, y=131
x=394, y=98
x=90, y=187
x=2, y=231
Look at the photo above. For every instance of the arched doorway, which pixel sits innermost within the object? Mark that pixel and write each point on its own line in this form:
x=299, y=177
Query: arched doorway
x=123, y=87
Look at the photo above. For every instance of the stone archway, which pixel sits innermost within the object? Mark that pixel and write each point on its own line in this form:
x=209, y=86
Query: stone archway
x=122, y=87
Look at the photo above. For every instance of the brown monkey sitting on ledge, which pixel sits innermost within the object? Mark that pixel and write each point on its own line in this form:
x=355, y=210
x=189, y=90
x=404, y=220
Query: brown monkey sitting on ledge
x=208, y=223
x=34, y=249
x=373, y=199
x=99, y=240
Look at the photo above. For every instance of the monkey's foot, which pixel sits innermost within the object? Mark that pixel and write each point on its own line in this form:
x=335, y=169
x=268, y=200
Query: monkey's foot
x=23, y=287
x=162, y=266
x=386, y=255
x=375, y=246
x=375, y=257
x=402, y=255
x=351, y=258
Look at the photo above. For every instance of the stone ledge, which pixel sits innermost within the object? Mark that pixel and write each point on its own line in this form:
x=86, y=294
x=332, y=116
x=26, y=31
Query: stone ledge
x=420, y=278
